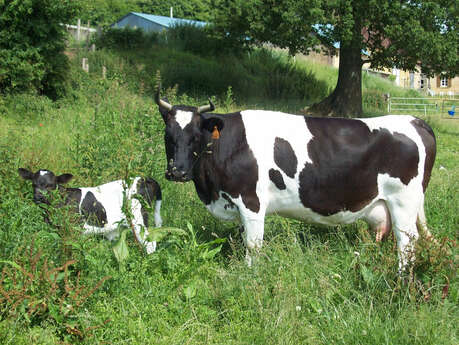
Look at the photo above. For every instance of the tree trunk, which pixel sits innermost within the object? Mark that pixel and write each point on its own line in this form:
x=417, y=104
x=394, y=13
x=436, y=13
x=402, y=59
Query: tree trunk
x=346, y=99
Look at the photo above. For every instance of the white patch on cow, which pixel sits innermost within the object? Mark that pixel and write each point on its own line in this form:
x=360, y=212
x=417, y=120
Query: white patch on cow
x=393, y=123
x=158, y=219
x=223, y=209
x=262, y=128
x=111, y=195
x=183, y=118
x=44, y=172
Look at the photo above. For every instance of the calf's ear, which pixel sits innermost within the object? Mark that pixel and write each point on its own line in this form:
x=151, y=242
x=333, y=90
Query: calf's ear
x=64, y=178
x=25, y=174
x=212, y=122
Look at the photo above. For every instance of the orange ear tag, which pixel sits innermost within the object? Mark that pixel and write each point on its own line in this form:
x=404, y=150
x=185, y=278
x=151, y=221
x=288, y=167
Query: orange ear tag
x=215, y=133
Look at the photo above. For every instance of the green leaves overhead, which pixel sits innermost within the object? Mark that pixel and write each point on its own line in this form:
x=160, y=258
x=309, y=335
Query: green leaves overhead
x=409, y=35
x=404, y=34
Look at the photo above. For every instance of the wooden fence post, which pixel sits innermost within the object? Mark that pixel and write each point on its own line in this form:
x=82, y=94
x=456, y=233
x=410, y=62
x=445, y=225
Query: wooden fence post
x=78, y=29
x=85, y=65
x=104, y=72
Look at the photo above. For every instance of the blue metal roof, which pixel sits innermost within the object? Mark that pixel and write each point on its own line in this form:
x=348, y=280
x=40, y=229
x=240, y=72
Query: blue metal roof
x=167, y=21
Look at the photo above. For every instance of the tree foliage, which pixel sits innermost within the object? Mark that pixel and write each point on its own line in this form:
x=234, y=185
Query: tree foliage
x=32, y=43
x=408, y=34
x=188, y=9
x=106, y=12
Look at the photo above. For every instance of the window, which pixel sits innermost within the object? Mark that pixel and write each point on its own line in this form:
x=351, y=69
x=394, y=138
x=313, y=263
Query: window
x=443, y=82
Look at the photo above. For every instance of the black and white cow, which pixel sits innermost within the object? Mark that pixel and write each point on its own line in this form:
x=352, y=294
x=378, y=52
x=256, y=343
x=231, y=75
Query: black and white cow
x=330, y=171
x=101, y=206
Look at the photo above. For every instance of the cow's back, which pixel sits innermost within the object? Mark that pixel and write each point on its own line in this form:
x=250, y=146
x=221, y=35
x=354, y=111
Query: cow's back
x=329, y=165
x=110, y=196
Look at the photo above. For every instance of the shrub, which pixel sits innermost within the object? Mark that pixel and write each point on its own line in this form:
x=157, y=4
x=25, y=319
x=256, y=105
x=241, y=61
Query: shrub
x=200, y=41
x=126, y=38
x=32, y=42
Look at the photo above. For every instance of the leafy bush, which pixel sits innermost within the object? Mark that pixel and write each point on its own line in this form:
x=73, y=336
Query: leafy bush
x=126, y=38
x=201, y=41
x=32, y=42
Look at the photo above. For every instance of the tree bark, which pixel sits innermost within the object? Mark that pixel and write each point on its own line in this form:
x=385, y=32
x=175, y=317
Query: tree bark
x=346, y=98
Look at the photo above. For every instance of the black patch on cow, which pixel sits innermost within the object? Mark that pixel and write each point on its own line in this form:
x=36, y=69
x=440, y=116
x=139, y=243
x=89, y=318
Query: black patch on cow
x=276, y=177
x=93, y=211
x=428, y=139
x=346, y=160
x=149, y=190
x=285, y=157
x=230, y=203
x=72, y=197
x=231, y=166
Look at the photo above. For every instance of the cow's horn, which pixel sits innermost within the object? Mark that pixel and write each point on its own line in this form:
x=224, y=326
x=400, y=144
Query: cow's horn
x=206, y=108
x=160, y=102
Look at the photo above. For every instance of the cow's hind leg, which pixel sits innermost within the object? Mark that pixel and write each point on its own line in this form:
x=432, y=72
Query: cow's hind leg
x=378, y=217
x=404, y=216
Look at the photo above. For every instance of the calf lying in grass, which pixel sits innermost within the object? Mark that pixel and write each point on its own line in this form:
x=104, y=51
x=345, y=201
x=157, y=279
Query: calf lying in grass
x=101, y=206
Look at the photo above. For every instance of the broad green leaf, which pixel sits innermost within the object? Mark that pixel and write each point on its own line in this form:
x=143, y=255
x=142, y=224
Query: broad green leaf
x=211, y=253
x=120, y=249
x=190, y=291
x=157, y=234
x=367, y=275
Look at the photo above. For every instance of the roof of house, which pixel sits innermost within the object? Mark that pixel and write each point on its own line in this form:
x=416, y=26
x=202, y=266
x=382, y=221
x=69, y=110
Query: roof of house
x=165, y=21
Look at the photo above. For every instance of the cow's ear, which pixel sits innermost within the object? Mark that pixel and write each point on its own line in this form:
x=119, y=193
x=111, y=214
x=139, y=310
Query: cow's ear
x=212, y=123
x=64, y=178
x=25, y=174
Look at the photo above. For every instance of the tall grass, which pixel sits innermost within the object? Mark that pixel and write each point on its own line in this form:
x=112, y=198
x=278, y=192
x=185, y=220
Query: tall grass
x=311, y=284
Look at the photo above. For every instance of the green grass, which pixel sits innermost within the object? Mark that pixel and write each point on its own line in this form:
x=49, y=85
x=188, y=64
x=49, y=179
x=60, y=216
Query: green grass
x=311, y=285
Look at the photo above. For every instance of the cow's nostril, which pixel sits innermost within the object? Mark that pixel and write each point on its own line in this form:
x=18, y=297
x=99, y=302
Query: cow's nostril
x=177, y=173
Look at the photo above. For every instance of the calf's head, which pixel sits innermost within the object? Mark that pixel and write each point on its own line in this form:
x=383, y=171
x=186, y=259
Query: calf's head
x=186, y=136
x=43, y=182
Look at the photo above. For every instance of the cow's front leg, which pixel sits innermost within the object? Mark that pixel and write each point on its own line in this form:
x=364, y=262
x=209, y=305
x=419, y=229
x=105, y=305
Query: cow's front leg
x=252, y=234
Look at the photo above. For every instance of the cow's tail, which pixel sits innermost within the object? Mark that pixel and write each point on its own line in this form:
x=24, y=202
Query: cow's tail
x=429, y=141
x=421, y=224
x=430, y=145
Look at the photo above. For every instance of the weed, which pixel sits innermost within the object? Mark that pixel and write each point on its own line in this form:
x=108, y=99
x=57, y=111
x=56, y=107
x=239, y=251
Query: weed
x=33, y=290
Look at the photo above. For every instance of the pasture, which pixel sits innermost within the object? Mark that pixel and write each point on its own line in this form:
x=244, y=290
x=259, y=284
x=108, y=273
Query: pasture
x=311, y=285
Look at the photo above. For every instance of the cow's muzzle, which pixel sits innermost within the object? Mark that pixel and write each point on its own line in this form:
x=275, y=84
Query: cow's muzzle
x=40, y=199
x=177, y=175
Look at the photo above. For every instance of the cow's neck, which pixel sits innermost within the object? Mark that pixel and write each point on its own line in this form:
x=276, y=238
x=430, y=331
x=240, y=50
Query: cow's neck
x=69, y=196
x=219, y=171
